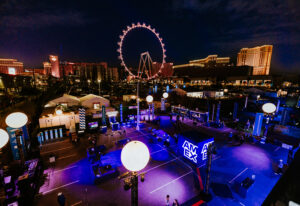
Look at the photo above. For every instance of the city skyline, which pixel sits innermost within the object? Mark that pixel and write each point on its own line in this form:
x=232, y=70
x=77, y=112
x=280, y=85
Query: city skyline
x=190, y=29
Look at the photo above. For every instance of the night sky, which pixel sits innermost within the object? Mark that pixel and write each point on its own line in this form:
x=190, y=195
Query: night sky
x=89, y=30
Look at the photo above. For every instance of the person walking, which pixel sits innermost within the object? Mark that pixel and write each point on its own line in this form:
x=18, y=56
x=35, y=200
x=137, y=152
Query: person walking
x=168, y=200
x=175, y=203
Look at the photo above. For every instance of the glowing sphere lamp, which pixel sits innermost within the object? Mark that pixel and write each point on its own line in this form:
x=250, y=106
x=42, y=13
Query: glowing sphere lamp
x=269, y=108
x=149, y=99
x=165, y=95
x=135, y=156
x=16, y=120
x=3, y=138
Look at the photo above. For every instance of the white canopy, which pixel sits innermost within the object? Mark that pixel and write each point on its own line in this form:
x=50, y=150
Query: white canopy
x=179, y=91
x=254, y=91
x=90, y=99
x=65, y=99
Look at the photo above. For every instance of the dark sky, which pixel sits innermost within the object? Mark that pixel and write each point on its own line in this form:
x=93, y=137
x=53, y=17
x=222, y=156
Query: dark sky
x=89, y=30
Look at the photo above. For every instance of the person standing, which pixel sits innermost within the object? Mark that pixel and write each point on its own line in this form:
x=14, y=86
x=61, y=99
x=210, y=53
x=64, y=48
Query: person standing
x=61, y=199
x=168, y=200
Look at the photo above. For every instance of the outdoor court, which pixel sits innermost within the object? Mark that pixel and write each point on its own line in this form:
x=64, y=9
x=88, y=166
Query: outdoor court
x=166, y=173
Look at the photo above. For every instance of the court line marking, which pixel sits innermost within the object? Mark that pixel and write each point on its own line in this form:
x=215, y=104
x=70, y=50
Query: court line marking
x=46, y=192
x=157, y=151
x=241, y=204
x=58, y=141
x=64, y=157
x=171, y=182
x=157, y=166
x=77, y=203
x=57, y=150
x=65, y=169
x=238, y=175
x=277, y=149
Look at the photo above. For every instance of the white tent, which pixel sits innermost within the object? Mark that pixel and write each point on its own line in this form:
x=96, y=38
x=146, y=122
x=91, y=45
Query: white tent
x=254, y=91
x=179, y=91
x=90, y=99
x=65, y=99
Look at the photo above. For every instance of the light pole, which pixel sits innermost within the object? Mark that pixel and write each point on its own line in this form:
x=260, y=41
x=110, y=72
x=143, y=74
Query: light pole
x=269, y=109
x=134, y=157
x=163, y=100
x=149, y=99
x=138, y=106
x=99, y=82
x=17, y=120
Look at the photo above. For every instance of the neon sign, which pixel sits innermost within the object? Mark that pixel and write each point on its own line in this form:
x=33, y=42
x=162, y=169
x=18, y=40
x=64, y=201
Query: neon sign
x=190, y=151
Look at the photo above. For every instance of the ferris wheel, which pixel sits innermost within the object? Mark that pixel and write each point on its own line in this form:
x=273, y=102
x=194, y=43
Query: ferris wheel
x=138, y=75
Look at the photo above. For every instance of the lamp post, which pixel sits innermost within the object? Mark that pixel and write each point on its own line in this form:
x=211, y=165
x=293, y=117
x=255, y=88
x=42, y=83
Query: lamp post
x=149, y=99
x=138, y=106
x=269, y=109
x=165, y=96
x=134, y=157
x=17, y=120
x=99, y=82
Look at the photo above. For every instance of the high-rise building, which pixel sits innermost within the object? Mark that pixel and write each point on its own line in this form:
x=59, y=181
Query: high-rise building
x=259, y=57
x=92, y=71
x=55, y=71
x=47, y=68
x=11, y=66
x=113, y=74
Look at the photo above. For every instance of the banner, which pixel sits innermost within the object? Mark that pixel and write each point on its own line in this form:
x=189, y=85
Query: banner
x=13, y=142
x=103, y=115
x=162, y=104
x=218, y=112
x=121, y=113
x=235, y=110
x=82, y=118
x=257, y=124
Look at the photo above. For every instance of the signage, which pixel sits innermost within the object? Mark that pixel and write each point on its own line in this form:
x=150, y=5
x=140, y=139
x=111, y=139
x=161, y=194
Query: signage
x=13, y=142
x=190, y=151
x=193, y=150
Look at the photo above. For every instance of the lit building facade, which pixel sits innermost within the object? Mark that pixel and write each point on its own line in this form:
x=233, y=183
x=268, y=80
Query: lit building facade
x=209, y=61
x=259, y=57
x=47, y=68
x=113, y=74
x=87, y=70
x=11, y=67
x=55, y=71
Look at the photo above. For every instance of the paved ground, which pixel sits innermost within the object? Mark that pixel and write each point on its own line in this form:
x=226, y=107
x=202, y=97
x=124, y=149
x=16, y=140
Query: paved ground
x=166, y=173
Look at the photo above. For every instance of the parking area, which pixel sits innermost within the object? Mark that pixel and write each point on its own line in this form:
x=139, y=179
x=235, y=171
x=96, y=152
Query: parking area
x=166, y=173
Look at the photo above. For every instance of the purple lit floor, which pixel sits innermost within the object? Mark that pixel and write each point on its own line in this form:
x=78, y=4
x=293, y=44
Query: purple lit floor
x=166, y=173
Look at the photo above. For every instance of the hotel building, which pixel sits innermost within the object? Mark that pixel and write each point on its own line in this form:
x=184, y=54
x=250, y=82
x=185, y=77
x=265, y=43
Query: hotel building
x=258, y=57
x=11, y=66
x=209, y=61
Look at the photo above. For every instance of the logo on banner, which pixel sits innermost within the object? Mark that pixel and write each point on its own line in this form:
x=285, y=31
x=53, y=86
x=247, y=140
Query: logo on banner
x=190, y=151
x=204, y=150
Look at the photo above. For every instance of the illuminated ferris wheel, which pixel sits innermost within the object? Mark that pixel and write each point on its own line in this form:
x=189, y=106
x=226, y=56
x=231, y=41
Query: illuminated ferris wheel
x=138, y=75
